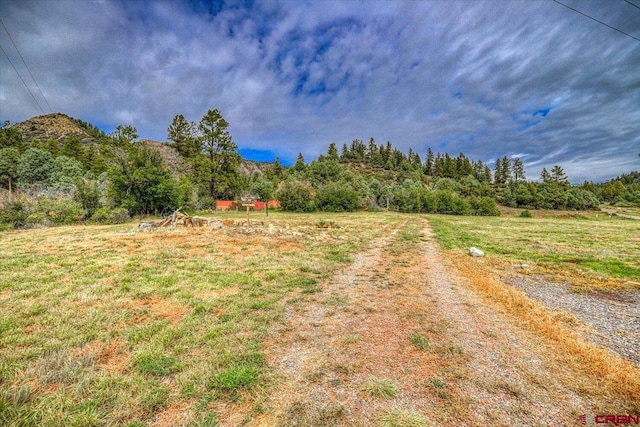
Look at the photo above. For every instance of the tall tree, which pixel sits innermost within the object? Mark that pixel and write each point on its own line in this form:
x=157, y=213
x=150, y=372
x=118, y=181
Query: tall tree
x=183, y=135
x=11, y=137
x=300, y=164
x=506, y=169
x=558, y=175
x=332, y=152
x=545, y=176
x=222, y=159
x=72, y=147
x=429, y=163
x=518, y=170
x=9, y=166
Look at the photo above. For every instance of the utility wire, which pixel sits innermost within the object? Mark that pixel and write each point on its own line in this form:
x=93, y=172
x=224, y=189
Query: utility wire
x=598, y=21
x=633, y=4
x=26, y=66
x=21, y=79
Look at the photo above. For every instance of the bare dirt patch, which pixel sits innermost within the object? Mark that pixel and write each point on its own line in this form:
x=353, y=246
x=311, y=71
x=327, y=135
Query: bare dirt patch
x=154, y=306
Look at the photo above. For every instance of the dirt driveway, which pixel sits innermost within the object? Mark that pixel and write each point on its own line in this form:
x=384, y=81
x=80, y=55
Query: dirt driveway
x=398, y=338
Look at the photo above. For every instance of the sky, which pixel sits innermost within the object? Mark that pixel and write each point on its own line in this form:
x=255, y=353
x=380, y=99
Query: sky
x=529, y=79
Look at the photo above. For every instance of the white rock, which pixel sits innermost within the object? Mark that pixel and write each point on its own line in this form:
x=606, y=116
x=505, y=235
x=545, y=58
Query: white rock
x=475, y=252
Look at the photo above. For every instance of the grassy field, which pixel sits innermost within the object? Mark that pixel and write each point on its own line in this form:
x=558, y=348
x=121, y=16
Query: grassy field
x=103, y=325
x=587, y=250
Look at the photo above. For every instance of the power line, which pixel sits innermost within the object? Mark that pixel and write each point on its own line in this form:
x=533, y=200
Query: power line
x=21, y=79
x=25, y=64
x=633, y=4
x=598, y=21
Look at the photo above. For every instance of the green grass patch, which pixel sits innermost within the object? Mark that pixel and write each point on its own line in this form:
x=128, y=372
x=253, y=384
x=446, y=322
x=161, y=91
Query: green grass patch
x=420, y=341
x=381, y=388
x=595, y=244
x=235, y=377
x=402, y=418
x=156, y=364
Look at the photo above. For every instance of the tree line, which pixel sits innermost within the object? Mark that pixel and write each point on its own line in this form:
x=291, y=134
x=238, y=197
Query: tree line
x=60, y=181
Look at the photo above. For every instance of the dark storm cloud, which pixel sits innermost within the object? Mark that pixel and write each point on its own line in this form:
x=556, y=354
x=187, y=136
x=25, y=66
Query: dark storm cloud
x=528, y=79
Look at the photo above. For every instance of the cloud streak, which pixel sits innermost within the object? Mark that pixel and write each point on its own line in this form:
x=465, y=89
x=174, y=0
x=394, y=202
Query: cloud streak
x=487, y=78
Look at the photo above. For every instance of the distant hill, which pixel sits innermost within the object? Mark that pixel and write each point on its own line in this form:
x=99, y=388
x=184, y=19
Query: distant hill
x=59, y=126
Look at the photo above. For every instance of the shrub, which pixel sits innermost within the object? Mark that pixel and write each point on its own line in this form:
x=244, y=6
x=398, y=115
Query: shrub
x=338, y=197
x=296, y=196
x=61, y=209
x=484, y=206
x=525, y=214
x=107, y=215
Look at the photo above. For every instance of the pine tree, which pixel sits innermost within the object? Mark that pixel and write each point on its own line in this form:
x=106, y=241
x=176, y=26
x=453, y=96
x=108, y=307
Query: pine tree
x=300, y=164
x=558, y=175
x=498, y=173
x=487, y=173
x=332, y=152
x=373, y=155
x=222, y=160
x=506, y=169
x=429, y=163
x=518, y=170
x=545, y=176
x=183, y=135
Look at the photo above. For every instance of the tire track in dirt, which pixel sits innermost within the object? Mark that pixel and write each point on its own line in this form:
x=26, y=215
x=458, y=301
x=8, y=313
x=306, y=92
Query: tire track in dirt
x=473, y=367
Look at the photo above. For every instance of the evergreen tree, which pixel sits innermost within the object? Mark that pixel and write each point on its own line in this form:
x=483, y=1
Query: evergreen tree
x=72, y=147
x=545, y=176
x=222, y=159
x=332, y=152
x=429, y=163
x=358, y=150
x=275, y=171
x=51, y=145
x=35, y=167
x=124, y=135
x=9, y=157
x=518, y=170
x=558, y=175
x=463, y=166
x=487, y=173
x=300, y=164
x=10, y=137
x=506, y=169
x=498, y=173
x=183, y=135
x=373, y=154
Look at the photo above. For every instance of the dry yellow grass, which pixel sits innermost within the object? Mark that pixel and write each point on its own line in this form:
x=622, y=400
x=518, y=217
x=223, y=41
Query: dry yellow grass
x=611, y=375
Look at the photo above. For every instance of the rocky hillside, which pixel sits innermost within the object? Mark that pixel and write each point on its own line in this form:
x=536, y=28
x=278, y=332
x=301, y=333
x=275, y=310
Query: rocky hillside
x=56, y=125
x=59, y=126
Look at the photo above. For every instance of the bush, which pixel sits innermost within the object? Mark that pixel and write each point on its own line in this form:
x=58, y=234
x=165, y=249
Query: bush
x=296, y=196
x=39, y=210
x=13, y=209
x=484, y=206
x=107, y=215
x=338, y=197
x=61, y=209
x=525, y=214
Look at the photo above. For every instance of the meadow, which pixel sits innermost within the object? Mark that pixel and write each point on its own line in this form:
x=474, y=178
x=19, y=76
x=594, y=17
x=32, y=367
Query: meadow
x=106, y=325
x=588, y=250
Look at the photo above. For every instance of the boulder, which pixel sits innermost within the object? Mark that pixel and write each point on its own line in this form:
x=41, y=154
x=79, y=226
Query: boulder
x=475, y=252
